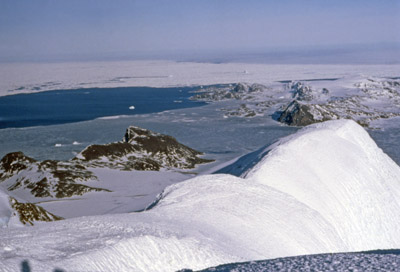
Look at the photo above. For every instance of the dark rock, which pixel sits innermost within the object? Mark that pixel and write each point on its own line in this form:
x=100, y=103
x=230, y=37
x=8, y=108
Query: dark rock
x=296, y=114
x=301, y=92
x=13, y=163
x=28, y=213
x=239, y=91
x=325, y=91
x=240, y=88
x=142, y=149
x=242, y=111
x=47, y=178
x=68, y=189
x=38, y=189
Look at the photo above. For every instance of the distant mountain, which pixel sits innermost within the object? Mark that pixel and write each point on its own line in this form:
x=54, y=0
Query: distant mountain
x=298, y=103
x=312, y=106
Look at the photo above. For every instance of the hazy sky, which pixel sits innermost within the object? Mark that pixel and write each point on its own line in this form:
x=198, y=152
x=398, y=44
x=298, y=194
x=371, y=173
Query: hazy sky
x=96, y=29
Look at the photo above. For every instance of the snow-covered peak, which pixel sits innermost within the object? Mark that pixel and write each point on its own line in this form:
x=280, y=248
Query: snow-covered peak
x=335, y=168
x=133, y=132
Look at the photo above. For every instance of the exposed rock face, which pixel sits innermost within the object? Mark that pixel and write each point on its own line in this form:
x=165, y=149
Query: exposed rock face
x=45, y=179
x=297, y=114
x=29, y=213
x=239, y=91
x=301, y=92
x=242, y=111
x=365, y=101
x=142, y=149
x=372, y=100
x=13, y=163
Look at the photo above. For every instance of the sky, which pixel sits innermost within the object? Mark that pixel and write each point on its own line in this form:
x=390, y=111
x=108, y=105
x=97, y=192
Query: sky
x=45, y=30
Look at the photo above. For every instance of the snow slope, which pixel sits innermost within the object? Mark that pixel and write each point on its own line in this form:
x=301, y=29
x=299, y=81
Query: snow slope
x=16, y=213
x=328, y=188
x=336, y=169
x=5, y=209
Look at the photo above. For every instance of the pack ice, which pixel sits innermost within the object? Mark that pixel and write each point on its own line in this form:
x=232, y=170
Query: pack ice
x=327, y=188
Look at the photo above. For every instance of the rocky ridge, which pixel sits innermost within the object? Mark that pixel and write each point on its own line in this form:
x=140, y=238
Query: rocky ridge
x=239, y=91
x=140, y=150
x=254, y=99
x=17, y=212
x=54, y=179
x=29, y=213
x=375, y=99
x=296, y=103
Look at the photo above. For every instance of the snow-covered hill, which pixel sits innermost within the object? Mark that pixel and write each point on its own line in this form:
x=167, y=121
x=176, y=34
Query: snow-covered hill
x=337, y=170
x=328, y=188
x=98, y=172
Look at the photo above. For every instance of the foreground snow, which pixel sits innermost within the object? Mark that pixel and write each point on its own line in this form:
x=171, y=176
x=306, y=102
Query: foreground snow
x=328, y=188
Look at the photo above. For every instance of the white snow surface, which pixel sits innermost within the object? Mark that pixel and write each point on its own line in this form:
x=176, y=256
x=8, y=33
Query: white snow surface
x=327, y=188
x=5, y=209
x=35, y=77
x=337, y=170
x=8, y=215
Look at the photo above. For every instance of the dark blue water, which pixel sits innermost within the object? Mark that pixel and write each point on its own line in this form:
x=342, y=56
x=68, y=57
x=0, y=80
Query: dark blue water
x=67, y=106
x=309, y=80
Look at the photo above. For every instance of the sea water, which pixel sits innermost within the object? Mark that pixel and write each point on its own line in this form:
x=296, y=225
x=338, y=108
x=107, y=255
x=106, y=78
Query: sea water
x=203, y=128
x=68, y=106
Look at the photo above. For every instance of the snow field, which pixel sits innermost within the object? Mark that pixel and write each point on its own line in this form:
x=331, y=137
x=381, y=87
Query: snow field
x=337, y=170
x=33, y=77
x=327, y=188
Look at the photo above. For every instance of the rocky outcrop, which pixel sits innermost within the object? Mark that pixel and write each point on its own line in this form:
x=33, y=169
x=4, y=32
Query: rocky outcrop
x=142, y=150
x=239, y=91
x=45, y=178
x=29, y=213
x=301, y=92
x=312, y=106
x=13, y=163
x=298, y=114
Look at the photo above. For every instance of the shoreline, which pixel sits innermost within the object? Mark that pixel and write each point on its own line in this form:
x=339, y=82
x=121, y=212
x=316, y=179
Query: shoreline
x=16, y=78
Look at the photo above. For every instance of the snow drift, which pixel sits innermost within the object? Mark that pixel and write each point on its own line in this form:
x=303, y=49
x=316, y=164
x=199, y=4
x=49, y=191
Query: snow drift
x=328, y=188
x=336, y=169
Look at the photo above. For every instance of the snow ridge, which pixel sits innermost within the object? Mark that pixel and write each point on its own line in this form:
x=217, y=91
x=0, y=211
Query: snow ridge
x=328, y=188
